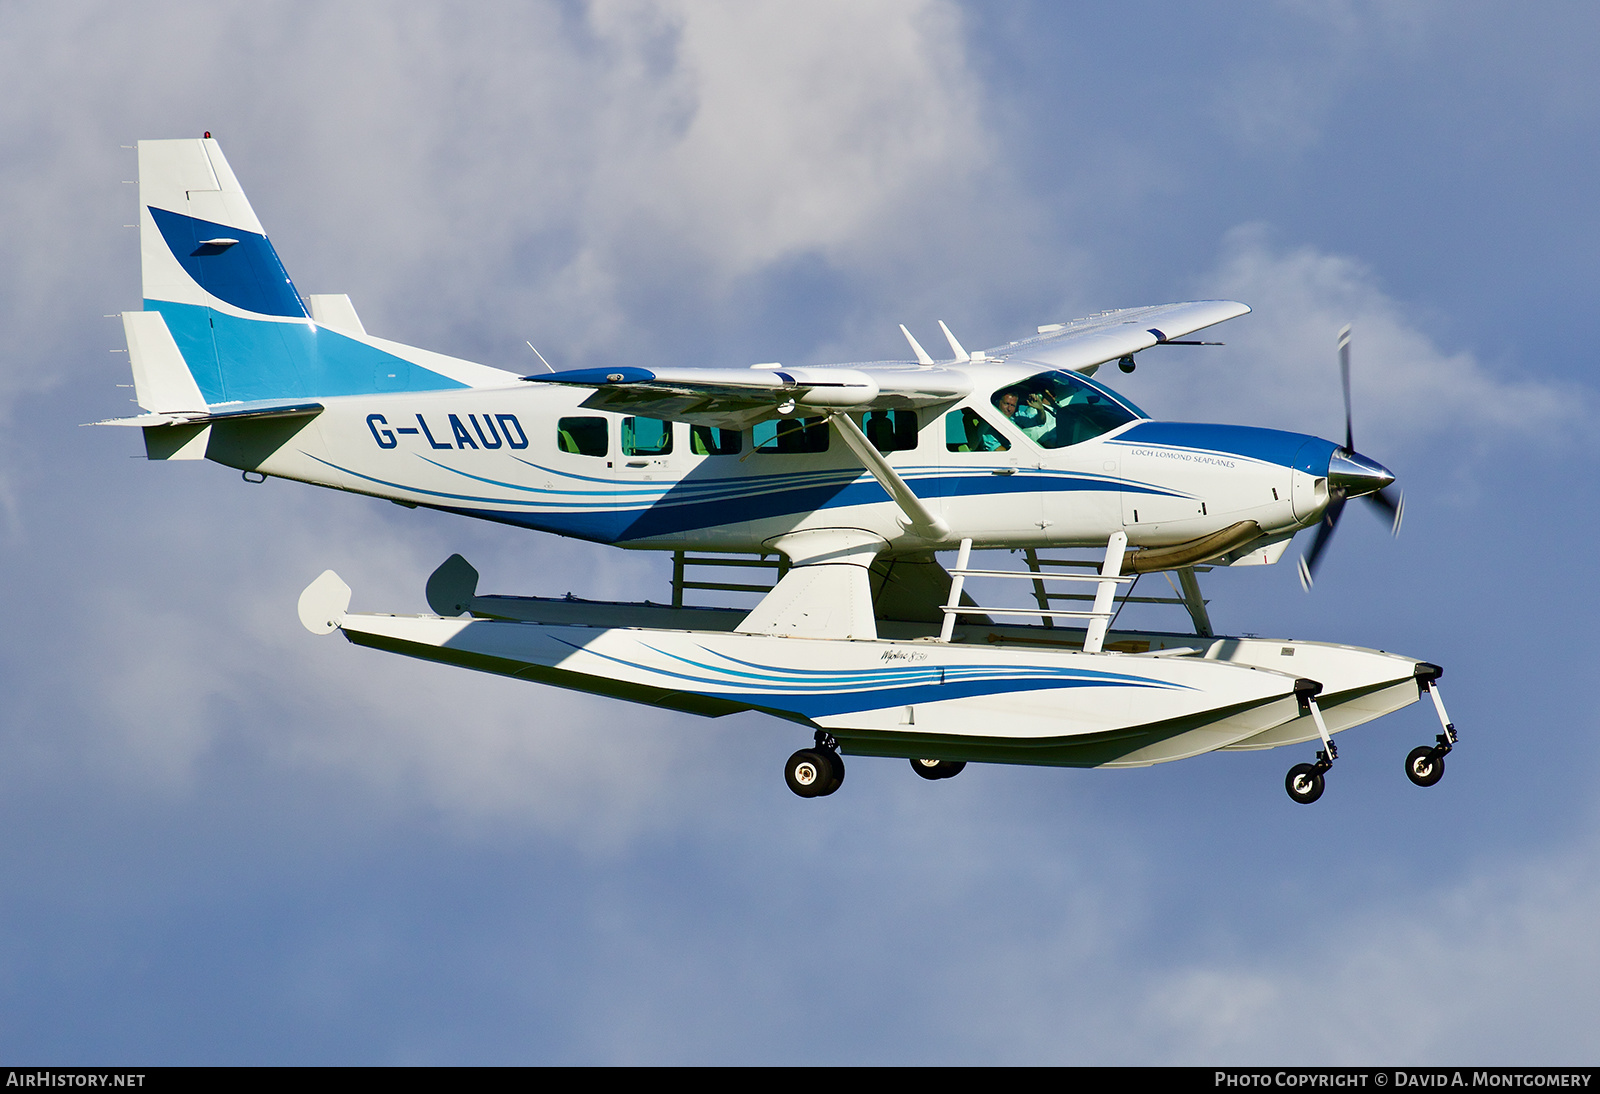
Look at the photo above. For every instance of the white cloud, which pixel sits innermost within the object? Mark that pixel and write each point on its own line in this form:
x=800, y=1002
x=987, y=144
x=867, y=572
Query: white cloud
x=1280, y=367
x=470, y=172
x=572, y=160
x=777, y=129
x=204, y=655
x=1497, y=969
x=504, y=171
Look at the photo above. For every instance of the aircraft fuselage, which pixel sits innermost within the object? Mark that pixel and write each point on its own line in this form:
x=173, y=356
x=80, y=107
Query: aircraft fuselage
x=534, y=457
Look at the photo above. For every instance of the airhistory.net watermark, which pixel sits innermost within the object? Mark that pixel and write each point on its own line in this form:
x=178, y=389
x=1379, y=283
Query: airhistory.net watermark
x=52, y=1078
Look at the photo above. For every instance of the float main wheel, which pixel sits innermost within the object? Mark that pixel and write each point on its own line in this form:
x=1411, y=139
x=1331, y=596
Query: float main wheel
x=809, y=773
x=835, y=771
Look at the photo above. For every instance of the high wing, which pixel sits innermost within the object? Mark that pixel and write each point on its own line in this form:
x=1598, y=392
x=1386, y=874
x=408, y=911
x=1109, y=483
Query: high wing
x=736, y=399
x=1084, y=343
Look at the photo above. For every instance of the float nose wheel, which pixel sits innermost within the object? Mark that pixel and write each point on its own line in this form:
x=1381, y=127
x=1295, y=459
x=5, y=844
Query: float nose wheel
x=815, y=772
x=1305, y=783
x=1425, y=765
x=938, y=769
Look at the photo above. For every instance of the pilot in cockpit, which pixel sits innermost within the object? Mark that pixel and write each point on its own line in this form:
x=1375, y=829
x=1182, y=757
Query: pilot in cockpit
x=1027, y=412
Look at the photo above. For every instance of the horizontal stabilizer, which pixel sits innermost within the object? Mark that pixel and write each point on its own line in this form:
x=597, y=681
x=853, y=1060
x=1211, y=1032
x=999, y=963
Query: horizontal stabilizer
x=225, y=412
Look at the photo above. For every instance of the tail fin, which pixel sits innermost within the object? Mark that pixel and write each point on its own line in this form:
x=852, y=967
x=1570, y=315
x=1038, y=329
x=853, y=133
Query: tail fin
x=234, y=314
x=200, y=241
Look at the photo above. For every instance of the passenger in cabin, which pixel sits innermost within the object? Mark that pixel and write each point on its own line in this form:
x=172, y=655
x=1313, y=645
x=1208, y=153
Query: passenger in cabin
x=966, y=431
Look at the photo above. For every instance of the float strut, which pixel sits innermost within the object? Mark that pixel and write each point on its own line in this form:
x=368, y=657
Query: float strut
x=1428, y=681
x=1306, y=692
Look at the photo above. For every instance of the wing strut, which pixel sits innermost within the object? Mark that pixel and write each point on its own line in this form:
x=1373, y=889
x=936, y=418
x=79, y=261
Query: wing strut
x=920, y=520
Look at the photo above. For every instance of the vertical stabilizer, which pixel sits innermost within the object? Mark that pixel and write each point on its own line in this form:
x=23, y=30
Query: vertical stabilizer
x=200, y=241
x=230, y=309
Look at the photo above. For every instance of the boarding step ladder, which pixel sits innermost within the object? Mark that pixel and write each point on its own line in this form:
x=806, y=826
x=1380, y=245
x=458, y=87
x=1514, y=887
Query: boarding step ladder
x=1185, y=592
x=1105, y=600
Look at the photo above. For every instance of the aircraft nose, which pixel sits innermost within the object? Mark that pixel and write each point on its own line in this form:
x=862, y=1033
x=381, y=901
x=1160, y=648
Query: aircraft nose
x=1356, y=475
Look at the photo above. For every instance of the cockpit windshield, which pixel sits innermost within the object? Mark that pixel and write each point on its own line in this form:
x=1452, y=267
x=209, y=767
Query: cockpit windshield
x=1057, y=409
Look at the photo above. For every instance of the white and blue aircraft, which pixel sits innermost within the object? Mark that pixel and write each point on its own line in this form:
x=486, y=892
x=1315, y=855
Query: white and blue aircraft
x=851, y=476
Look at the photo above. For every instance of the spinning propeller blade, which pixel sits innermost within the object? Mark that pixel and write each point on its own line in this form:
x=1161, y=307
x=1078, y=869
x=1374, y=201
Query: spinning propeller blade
x=1330, y=521
x=1350, y=475
x=1392, y=502
x=1344, y=376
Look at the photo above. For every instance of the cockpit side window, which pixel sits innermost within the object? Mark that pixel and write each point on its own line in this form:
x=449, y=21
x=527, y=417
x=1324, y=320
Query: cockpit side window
x=966, y=431
x=1058, y=409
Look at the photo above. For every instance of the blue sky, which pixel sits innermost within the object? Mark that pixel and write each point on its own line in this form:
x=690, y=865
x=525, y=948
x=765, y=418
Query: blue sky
x=229, y=841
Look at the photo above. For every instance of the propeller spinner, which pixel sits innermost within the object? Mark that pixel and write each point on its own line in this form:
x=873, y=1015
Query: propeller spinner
x=1351, y=475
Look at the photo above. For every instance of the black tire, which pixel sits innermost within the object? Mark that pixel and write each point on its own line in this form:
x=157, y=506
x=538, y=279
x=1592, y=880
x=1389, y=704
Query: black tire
x=808, y=773
x=938, y=769
x=1304, y=783
x=835, y=771
x=1424, y=766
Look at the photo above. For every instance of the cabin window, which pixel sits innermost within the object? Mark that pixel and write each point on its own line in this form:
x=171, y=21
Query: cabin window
x=891, y=430
x=646, y=437
x=966, y=431
x=710, y=440
x=582, y=436
x=1057, y=409
x=791, y=435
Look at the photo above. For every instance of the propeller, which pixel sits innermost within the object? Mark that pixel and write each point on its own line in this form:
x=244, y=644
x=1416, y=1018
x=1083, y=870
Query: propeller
x=1351, y=475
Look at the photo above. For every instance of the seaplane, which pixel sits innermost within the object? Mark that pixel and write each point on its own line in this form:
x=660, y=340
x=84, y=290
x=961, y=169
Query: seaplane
x=832, y=489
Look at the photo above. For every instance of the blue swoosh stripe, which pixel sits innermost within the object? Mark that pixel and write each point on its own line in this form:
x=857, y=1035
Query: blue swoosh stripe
x=666, y=510
x=862, y=693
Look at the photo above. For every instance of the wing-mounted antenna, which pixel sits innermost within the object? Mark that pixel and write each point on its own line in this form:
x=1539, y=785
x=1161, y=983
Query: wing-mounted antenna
x=539, y=355
x=916, y=347
x=955, y=347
